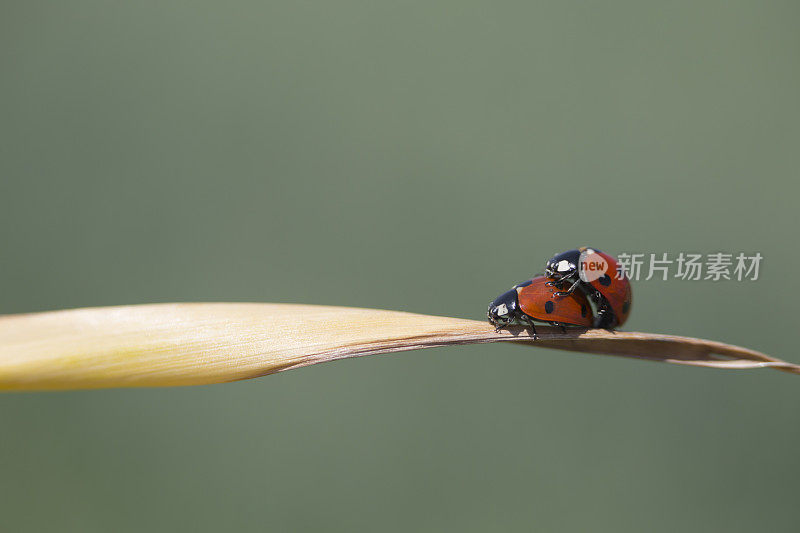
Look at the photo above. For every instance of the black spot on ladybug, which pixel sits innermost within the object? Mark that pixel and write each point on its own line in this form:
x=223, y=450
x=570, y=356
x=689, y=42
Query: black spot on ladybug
x=605, y=281
x=625, y=307
x=548, y=307
x=583, y=310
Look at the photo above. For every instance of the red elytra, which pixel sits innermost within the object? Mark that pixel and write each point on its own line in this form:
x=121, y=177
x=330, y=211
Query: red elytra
x=615, y=288
x=538, y=301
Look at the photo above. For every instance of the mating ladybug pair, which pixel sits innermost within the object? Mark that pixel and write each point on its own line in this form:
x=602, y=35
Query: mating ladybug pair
x=582, y=287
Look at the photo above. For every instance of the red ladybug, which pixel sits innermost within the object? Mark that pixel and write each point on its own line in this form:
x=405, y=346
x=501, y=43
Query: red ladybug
x=597, y=275
x=536, y=299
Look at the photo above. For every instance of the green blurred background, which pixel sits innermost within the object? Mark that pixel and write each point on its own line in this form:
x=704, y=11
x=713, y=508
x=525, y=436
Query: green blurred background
x=413, y=155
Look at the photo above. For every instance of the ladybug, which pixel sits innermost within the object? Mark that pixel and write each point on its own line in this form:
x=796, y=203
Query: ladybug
x=536, y=299
x=598, y=276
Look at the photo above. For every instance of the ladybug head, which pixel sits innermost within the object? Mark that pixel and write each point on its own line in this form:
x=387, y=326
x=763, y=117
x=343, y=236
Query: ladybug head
x=563, y=265
x=503, y=309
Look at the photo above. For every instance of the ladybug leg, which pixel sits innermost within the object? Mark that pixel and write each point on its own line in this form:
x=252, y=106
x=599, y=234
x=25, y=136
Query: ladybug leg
x=529, y=321
x=568, y=291
x=502, y=324
x=603, y=318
